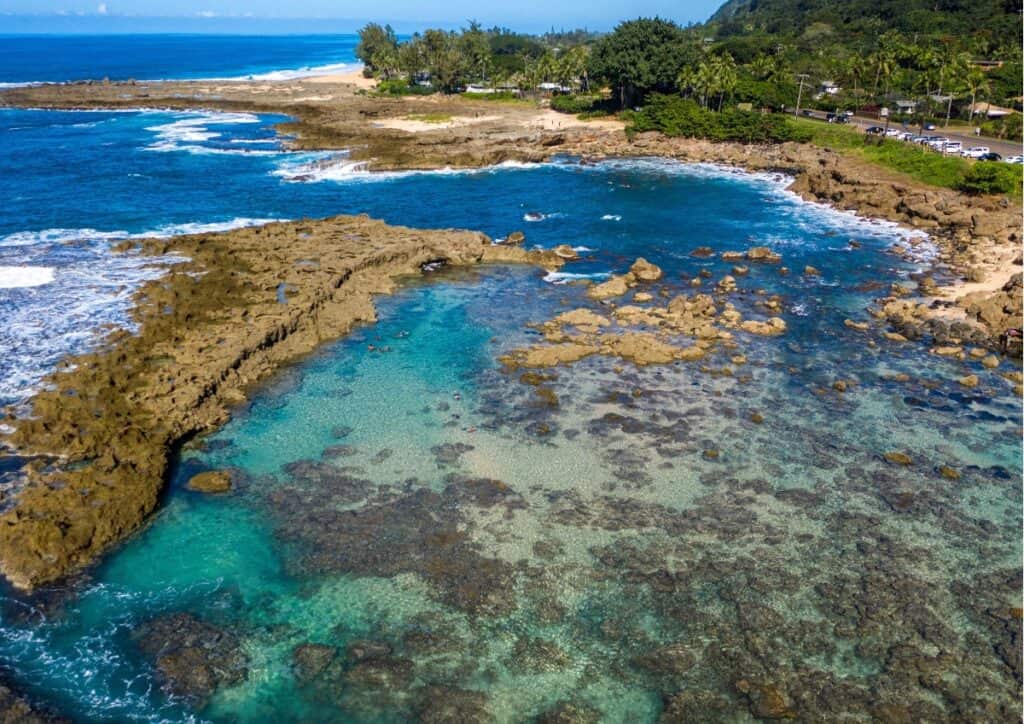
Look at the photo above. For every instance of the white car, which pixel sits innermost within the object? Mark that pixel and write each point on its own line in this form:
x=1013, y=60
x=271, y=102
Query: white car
x=938, y=143
x=975, y=152
x=1014, y=159
x=952, y=147
x=893, y=132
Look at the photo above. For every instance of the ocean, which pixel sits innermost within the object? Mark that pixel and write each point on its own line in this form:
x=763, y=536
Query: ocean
x=416, y=532
x=63, y=58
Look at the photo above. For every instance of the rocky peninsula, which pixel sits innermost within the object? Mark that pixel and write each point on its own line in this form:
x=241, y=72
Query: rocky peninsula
x=231, y=309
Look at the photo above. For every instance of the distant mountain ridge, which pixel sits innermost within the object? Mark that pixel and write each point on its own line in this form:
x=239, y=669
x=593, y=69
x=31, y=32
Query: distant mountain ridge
x=997, y=18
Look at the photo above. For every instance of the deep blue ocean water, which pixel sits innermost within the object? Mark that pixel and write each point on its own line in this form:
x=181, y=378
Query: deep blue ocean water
x=757, y=543
x=56, y=58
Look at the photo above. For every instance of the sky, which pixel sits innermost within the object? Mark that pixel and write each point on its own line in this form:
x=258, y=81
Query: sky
x=218, y=15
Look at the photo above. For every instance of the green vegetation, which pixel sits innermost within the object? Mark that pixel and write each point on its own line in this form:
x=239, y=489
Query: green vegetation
x=922, y=59
x=641, y=57
x=585, y=105
x=987, y=177
x=1006, y=127
x=451, y=61
x=498, y=97
x=915, y=161
x=998, y=20
x=676, y=116
x=401, y=87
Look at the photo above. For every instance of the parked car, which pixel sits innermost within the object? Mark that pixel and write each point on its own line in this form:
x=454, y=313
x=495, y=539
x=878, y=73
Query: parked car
x=991, y=156
x=807, y=113
x=837, y=118
x=1014, y=159
x=938, y=142
x=905, y=136
x=874, y=129
x=954, y=147
x=893, y=133
x=975, y=151
x=929, y=126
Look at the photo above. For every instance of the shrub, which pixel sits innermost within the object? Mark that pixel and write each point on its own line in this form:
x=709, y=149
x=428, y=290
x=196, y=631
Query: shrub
x=576, y=104
x=676, y=116
x=500, y=96
x=993, y=177
x=401, y=87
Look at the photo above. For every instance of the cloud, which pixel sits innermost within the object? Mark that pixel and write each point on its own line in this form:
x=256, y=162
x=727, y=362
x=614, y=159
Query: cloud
x=206, y=14
x=101, y=9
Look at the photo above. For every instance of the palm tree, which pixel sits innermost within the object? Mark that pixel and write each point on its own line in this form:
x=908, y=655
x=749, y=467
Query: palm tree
x=977, y=82
x=726, y=77
x=572, y=66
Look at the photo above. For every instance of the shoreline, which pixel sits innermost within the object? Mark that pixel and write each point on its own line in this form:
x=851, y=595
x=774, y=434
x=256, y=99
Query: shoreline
x=330, y=113
x=64, y=518
x=246, y=302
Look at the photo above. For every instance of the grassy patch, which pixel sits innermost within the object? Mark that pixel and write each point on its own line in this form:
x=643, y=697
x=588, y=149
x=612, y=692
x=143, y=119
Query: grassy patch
x=916, y=161
x=500, y=97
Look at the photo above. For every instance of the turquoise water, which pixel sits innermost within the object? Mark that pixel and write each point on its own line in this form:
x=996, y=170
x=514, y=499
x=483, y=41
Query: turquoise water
x=462, y=547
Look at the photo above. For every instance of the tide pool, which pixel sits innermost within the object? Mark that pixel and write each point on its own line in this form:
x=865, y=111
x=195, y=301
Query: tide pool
x=416, y=532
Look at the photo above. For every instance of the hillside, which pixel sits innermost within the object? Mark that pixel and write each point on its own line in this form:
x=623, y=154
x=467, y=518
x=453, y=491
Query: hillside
x=1000, y=20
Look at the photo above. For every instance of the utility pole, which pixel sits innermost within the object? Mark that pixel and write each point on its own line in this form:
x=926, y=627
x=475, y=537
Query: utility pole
x=800, y=91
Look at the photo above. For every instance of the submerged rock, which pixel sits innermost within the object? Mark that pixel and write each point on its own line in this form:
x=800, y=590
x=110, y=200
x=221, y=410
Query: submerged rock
x=193, y=658
x=898, y=458
x=311, y=659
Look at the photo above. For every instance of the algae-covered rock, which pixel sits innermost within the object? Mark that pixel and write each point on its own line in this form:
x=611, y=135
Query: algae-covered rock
x=193, y=658
x=211, y=481
x=207, y=330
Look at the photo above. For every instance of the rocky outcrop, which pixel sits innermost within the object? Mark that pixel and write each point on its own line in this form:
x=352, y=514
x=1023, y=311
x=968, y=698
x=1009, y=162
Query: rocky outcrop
x=210, y=328
x=193, y=658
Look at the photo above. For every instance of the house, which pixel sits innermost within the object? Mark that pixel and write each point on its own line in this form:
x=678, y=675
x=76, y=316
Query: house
x=829, y=88
x=905, y=107
x=990, y=110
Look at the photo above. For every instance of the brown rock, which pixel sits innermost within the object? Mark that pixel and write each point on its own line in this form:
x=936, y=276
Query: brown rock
x=211, y=481
x=762, y=253
x=969, y=380
x=614, y=287
x=898, y=458
x=644, y=271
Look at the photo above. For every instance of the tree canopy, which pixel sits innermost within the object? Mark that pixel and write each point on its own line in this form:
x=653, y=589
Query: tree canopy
x=641, y=56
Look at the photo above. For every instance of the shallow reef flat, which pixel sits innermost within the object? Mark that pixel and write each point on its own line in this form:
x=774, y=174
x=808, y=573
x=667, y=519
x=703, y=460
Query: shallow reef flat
x=231, y=309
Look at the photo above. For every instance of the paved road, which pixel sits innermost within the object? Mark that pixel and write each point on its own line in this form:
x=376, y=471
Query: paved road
x=1003, y=148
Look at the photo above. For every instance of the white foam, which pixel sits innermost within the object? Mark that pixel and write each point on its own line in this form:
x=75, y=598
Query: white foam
x=308, y=71
x=566, y=277
x=186, y=133
x=335, y=166
x=16, y=277
x=90, y=292
x=62, y=236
